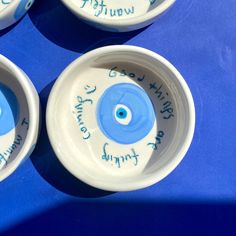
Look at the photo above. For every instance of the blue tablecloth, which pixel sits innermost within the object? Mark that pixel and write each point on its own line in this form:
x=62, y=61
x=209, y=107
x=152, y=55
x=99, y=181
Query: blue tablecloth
x=199, y=38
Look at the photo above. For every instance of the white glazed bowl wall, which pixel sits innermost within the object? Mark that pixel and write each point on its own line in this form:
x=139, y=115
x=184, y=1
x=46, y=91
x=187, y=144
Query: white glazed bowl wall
x=31, y=107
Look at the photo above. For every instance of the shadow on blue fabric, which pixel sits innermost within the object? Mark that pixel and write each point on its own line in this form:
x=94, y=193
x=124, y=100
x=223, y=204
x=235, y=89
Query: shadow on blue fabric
x=77, y=218
x=8, y=29
x=61, y=27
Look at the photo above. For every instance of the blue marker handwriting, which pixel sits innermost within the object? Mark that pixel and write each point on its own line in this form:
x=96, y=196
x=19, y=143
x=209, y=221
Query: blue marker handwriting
x=152, y=2
x=5, y=2
x=101, y=8
x=119, y=160
x=79, y=111
x=116, y=72
x=158, y=140
x=5, y=155
x=90, y=89
x=167, y=109
x=25, y=122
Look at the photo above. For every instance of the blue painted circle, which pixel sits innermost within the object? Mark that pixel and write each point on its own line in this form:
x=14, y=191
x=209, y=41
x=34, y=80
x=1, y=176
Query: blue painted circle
x=9, y=110
x=22, y=8
x=125, y=113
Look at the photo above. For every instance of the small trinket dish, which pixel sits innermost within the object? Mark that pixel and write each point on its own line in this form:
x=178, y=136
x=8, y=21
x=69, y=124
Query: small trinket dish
x=120, y=118
x=19, y=117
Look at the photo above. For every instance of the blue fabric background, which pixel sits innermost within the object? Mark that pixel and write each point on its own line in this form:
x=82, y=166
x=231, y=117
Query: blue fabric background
x=199, y=197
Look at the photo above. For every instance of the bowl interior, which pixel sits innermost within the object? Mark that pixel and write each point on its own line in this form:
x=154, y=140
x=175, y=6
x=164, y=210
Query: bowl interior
x=14, y=117
x=114, y=9
x=84, y=134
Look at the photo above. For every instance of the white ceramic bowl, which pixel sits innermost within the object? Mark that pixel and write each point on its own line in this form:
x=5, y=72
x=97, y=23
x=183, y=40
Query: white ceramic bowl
x=120, y=118
x=13, y=10
x=19, y=117
x=118, y=16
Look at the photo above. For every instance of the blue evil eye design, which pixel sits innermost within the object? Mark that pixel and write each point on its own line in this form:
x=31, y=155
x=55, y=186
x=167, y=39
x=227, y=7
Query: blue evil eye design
x=9, y=110
x=22, y=8
x=125, y=113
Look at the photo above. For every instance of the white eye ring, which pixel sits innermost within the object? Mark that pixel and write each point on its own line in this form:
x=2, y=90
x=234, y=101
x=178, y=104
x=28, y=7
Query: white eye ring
x=28, y=5
x=122, y=114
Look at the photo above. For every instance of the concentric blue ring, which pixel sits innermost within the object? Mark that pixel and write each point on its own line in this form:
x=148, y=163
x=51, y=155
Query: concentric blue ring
x=125, y=113
x=9, y=110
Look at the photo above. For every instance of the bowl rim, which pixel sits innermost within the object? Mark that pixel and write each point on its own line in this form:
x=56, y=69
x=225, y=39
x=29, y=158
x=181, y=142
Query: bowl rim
x=33, y=106
x=121, y=22
x=156, y=177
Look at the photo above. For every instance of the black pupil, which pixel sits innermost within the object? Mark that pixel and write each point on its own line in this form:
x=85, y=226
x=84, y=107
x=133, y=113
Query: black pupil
x=121, y=113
